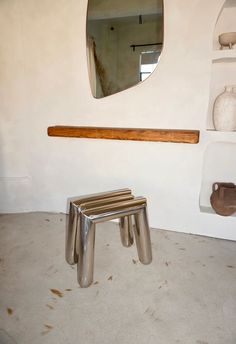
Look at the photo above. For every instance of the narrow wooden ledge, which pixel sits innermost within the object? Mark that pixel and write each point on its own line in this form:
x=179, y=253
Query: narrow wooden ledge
x=139, y=134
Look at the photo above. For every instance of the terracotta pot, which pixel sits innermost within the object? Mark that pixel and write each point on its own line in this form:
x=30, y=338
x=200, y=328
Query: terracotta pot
x=223, y=198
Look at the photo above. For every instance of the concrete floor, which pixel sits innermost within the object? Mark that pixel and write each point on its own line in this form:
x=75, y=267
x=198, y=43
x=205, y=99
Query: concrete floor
x=187, y=295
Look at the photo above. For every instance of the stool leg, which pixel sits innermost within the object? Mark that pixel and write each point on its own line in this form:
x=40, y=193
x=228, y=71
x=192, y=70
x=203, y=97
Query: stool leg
x=86, y=252
x=71, y=228
x=126, y=231
x=142, y=237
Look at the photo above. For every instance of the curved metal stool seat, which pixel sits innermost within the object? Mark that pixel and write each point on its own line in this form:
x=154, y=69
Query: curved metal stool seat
x=81, y=227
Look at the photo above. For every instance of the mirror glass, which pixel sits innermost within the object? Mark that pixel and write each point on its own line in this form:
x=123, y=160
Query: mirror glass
x=124, y=42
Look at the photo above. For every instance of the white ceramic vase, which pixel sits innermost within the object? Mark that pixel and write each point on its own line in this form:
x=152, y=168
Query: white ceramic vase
x=224, y=110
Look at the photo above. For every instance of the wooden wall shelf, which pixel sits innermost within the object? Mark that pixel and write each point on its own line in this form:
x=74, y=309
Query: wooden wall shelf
x=136, y=134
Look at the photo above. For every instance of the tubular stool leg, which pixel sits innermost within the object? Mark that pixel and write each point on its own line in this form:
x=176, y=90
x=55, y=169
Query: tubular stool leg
x=142, y=236
x=126, y=231
x=71, y=230
x=85, y=265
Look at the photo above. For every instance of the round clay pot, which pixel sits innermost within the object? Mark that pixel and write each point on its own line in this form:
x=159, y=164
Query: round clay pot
x=217, y=199
x=227, y=39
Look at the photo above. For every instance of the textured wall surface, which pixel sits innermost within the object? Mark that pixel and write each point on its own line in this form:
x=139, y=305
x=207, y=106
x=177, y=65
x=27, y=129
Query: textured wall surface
x=44, y=81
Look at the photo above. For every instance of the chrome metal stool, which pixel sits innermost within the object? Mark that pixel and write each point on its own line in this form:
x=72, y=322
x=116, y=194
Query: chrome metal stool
x=83, y=228
x=93, y=200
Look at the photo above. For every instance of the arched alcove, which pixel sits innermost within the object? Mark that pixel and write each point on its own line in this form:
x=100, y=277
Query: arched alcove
x=218, y=166
x=219, y=158
x=223, y=60
x=226, y=21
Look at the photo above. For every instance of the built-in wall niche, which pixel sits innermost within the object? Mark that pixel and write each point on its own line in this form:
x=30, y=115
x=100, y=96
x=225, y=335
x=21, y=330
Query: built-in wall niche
x=226, y=21
x=223, y=73
x=223, y=60
x=219, y=166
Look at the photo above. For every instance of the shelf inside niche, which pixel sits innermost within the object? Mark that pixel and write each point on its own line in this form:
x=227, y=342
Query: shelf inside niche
x=222, y=133
x=224, y=55
x=210, y=210
x=224, y=136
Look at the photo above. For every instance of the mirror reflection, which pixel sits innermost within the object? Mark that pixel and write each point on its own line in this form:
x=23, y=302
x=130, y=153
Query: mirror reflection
x=124, y=42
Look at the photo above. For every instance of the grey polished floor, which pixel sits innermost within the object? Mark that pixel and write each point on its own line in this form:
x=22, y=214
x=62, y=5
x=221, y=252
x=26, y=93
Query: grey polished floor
x=187, y=295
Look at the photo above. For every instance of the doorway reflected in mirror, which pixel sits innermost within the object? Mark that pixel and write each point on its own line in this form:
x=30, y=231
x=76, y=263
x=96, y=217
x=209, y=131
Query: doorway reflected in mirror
x=124, y=43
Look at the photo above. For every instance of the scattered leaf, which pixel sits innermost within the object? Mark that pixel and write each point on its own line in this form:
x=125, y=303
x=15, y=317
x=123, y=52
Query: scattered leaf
x=49, y=327
x=49, y=306
x=47, y=220
x=57, y=292
x=134, y=261
x=68, y=289
x=230, y=266
x=10, y=311
x=96, y=282
x=110, y=278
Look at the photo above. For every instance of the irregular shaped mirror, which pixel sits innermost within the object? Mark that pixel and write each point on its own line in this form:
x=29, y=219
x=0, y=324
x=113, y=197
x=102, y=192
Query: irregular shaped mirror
x=124, y=42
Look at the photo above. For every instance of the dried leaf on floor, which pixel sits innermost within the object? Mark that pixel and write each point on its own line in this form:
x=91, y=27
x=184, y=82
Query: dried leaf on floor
x=57, y=292
x=49, y=327
x=10, y=311
x=110, y=278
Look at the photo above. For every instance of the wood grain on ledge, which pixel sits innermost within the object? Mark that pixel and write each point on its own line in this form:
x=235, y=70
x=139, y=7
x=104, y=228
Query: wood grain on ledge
x=136, y=134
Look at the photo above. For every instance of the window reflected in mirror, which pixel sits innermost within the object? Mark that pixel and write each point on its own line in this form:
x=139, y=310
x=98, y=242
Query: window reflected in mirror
x=124, y=43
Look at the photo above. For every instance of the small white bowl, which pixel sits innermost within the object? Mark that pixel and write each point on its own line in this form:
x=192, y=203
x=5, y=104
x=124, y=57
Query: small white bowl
x=227, y=39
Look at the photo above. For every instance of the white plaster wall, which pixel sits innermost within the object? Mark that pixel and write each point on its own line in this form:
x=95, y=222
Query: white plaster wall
x=44, y=82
